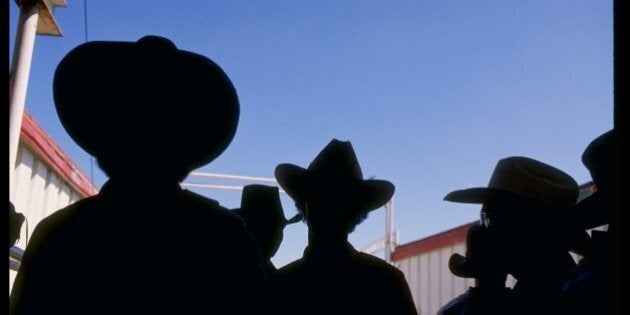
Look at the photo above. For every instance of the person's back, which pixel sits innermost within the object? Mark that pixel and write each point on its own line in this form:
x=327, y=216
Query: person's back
x=350, y=283
x=168, y=254
x=142, y=244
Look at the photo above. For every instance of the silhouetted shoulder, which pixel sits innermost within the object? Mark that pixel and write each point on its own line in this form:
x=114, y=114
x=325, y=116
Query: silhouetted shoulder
x=70, y=215
x=373, y=261
x=291, y=267
x=375, y=264
x=209, y=207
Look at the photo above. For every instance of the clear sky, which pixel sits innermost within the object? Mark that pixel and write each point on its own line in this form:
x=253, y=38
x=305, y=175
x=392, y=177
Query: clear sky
x=430, y=93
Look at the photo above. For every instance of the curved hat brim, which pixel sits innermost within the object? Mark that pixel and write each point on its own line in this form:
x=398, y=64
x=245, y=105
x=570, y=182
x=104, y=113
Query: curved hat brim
x=476, y=195
x=147, y=96
x=591, y=212
x=295, y=219
x=479, y=195
x=460, y=266
x=297, y=182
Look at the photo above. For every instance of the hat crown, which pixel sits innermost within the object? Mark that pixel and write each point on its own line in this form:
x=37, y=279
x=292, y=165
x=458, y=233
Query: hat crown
x=262, y=202
x=535, y=180
x=119, y=98
x=602, y=158
x=157, y=43
x=476, y=242
x=481, y=254
x=337, y=160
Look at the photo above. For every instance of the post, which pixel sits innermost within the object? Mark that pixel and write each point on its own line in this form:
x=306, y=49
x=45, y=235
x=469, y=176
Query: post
x=389, y=224
x=18, y=77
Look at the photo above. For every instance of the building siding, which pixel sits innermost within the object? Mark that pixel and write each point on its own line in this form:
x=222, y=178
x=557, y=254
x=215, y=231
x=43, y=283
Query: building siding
x=45, y=180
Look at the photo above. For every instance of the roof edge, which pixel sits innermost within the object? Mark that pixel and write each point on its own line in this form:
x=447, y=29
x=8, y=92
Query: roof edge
x=49, y=151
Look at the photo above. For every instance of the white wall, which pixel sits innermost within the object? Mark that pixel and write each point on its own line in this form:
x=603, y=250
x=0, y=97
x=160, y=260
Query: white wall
x=430, y=281
x=37, y=191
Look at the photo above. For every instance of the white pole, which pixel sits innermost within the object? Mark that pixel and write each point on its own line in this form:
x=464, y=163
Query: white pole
x=389, y=224
x=220, y=187
x=236, y=177
x=18, y=77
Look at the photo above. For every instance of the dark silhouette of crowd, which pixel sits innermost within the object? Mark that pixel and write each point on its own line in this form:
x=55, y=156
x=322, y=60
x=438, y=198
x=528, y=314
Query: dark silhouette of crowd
x=157, y=248
x=534, y=220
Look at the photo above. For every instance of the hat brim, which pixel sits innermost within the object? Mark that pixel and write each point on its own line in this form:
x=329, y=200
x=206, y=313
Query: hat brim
x=479, y=195
x=295, y=219
x=149, y=98
x=476, y=195
x=298, y=182
x=460, y=266
x=591, y=212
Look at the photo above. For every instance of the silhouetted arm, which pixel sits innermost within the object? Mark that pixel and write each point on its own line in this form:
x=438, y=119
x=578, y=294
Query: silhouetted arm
x=402, y=301
x=34, y=290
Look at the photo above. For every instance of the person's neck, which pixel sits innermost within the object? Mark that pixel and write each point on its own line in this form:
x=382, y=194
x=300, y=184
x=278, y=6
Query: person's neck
x=158, y=189
x=331, y=245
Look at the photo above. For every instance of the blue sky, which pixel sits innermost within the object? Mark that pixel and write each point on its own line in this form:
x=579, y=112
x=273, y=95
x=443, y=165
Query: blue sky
x=430, y=93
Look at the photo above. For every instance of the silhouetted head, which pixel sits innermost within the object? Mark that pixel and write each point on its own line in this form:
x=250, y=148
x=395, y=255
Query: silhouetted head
x=481, y=260
x=602, y=157
x=332, y=192
x=145, y=107
x=524, y=205
x=15, y=224
x=262, y=211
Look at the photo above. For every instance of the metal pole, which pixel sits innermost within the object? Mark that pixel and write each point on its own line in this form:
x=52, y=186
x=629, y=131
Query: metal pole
x=220, y=187
x=236, y=177
x=18, y=77
x=389, y=224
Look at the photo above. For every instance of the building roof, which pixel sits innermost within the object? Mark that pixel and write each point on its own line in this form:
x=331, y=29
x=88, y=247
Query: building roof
x=34, y=136
x=436, y=241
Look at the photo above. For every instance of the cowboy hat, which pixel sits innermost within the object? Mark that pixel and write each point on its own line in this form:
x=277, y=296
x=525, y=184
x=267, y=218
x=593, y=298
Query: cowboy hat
x=478, y=254
x=260, y=204
x=117, y=99
x=602, y=157
x=335, y=168
x=523, y=177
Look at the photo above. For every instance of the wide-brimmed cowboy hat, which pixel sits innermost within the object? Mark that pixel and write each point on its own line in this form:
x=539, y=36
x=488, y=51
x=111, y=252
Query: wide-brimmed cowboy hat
x=479, y=254
x=525, y=178
x=602, y=157
x=260, y=204
x=335, y=168
x=120, y=99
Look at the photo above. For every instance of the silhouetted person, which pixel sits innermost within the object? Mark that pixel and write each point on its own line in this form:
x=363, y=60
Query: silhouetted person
x=15, y=224
x=149, y=113
x=595, y=286
x=523, y=208
x=489, y=295
x=332, y=277
x=262, y=211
